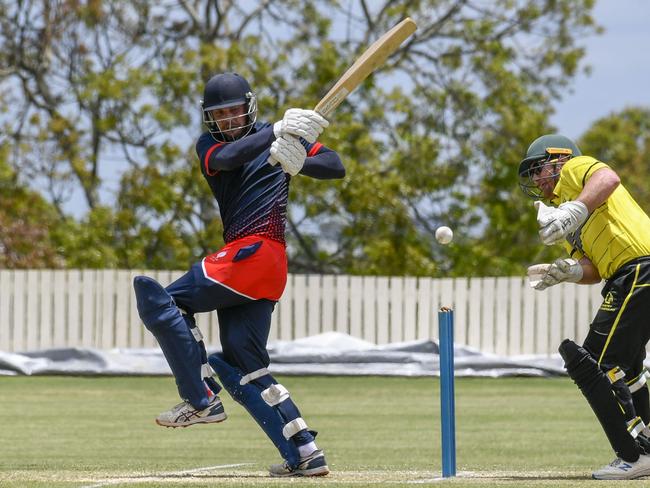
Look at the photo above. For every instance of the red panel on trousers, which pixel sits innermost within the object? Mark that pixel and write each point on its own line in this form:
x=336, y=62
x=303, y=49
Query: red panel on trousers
x=254, y=266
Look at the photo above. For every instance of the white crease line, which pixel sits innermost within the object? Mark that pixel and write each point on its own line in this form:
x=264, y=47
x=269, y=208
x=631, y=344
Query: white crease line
x=430, y=480
x=143, y=478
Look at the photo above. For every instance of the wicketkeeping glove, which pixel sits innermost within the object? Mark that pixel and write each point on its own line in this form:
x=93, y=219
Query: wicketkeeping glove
x=302, y=123
x=290, y=153
x=541, y=276
x=556, y=223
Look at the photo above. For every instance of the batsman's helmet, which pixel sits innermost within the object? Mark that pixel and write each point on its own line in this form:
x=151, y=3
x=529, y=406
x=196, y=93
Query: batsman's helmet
x=547, y=150
x=228, y=90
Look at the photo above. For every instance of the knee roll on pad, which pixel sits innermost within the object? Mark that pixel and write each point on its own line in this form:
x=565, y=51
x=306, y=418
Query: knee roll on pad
x=162, y=317
x=156, y=307
x=597, y=389
x=249, y=395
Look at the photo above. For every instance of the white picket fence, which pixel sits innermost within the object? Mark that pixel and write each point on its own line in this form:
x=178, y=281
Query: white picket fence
x=42, y=309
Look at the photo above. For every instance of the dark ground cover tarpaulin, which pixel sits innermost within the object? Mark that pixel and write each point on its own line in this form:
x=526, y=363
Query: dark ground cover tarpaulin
x=331, y=353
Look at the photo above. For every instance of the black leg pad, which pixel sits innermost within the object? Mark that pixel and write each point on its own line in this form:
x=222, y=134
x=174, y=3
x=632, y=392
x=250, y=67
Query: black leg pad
x=596, y=388
x=642, y=403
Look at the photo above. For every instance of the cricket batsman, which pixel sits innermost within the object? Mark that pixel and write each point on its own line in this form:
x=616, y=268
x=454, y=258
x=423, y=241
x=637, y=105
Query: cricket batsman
x=244, y=280
x=607, y=236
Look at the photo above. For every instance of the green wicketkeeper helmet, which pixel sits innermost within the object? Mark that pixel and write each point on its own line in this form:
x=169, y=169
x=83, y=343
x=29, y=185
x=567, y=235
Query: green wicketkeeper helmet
x=549, y=149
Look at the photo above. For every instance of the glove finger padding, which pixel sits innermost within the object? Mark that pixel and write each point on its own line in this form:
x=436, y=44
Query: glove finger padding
x=566, y=270
x=300, y=129
x=310, y=117
x=536, y=275
x=551, y=233
x=302, y=123
x=317, y=119
x=290, y=153
x=550, y=230
x=541, y=276
x=544, y=213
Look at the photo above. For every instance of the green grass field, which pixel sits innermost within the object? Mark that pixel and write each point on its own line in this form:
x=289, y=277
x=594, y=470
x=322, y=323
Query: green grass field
x=97, y=432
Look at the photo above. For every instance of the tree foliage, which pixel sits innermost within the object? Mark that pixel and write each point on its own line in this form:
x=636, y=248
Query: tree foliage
x=103, y=98
x=25, y=220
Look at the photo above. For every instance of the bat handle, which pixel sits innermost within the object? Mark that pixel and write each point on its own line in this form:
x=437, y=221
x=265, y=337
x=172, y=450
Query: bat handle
x=322, y=113
x=272, y=161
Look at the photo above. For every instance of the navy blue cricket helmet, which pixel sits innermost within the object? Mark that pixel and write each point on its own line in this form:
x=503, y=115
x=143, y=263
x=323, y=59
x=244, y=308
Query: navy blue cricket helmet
x=227, y=90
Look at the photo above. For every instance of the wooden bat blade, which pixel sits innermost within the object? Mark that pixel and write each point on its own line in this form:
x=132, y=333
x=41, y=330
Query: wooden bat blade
x=369, y=61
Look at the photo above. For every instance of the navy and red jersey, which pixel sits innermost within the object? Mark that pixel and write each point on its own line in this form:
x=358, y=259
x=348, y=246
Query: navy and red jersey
x=252, y=194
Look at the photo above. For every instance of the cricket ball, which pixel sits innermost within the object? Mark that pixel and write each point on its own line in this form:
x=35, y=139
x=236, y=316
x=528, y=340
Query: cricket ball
x=444, y=234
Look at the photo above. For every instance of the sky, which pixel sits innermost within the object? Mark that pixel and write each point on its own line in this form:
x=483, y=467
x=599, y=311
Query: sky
x=620, y=63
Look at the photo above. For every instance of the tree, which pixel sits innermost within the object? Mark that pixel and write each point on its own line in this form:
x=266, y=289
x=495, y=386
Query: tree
x=25, y=223
x=424, y=140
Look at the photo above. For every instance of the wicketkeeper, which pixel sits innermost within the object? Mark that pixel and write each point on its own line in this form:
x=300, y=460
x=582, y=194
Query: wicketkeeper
x=607, y=235
x=244, y=280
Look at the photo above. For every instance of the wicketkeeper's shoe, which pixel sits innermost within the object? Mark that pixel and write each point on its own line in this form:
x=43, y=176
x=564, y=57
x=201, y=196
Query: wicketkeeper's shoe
x=623, y=470
x=312, y=465
x=184, y=414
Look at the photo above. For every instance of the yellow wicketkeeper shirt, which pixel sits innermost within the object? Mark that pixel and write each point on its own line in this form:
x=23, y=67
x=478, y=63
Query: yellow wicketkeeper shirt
x=615, y=233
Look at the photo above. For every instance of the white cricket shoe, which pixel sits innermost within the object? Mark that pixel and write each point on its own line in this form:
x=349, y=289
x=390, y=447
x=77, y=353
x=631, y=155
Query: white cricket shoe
x=184, y=414
x=623, y=470
x=312, y=465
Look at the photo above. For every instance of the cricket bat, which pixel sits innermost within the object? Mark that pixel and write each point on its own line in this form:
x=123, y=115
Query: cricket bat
x=370, y=60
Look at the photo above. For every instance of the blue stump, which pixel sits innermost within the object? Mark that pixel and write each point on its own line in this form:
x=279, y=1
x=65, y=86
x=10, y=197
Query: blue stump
x=447, y=395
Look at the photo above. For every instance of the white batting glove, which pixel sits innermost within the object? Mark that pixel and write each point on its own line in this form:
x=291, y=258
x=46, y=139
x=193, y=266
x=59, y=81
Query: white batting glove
x=290, y=153
x=556, y=223
x=301, y=123
x=541, y=276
